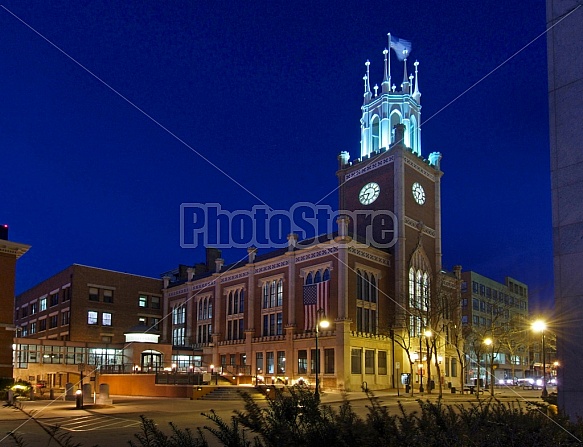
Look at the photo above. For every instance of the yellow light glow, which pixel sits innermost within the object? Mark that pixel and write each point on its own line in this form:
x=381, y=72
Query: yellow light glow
x=539, y=326
x=488, y=341
x=324, y=324
x=428, y=333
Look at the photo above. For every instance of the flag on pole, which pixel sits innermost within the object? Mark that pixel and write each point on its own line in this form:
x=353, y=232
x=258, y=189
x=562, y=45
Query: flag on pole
x=315, y=298
x=402, y=47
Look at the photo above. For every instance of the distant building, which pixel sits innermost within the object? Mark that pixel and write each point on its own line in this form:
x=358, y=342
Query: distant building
x=9, y=254
x=500, y=312
x=81, y=316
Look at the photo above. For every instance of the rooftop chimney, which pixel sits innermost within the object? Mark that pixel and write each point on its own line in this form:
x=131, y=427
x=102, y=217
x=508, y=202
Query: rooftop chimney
x=4, y=232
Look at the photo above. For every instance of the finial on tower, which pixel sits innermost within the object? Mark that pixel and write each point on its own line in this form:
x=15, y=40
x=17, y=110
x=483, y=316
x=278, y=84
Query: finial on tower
x=386, y=85
x=405, y=78
x=416, y=93
x=367, y=94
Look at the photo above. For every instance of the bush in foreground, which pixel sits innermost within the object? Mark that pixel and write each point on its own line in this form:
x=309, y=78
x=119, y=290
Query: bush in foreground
x=296, y=419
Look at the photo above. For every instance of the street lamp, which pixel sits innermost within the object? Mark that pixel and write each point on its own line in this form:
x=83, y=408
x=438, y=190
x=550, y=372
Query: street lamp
x=540, y=326
x=489, y=342
x=427, y=334
x=324, y=324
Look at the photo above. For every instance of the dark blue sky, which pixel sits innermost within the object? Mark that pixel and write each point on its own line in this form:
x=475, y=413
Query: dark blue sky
x=270, y=92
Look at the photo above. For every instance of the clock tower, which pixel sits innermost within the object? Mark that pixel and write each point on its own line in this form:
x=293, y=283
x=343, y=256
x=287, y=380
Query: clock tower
x=392, y=191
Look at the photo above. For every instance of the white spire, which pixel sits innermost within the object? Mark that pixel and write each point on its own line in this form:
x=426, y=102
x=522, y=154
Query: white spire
x=416, y=93
x=367, y=94
x=386, y=85
x=405, y=78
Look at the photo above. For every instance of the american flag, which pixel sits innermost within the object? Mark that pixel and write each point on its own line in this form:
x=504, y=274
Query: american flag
x=315, y=298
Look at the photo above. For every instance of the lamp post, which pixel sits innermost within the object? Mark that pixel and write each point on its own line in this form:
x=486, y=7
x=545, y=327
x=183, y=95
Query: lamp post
x=324, y=324
x=540, y=326
x=489, y=342
x=428, y=334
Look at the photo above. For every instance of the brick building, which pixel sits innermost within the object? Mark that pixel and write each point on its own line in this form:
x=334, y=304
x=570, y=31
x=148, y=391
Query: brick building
x=81, y=316
x=380, y=297
x=9, y=254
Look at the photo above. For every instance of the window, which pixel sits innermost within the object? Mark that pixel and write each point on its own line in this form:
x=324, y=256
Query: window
x=155, y=323
x=143, y=301
x=108, y=296
x=25, y=312
x=280, y=362
x=269, y=361
x=272, y=324
x=273, y=293
x=42, y=325
x=42, y=304
x=259, y=362
x=474, y=287
x=315, y=356
x=302, y=361
x=476, y=319
x=67, y=294
x=447, y=366
x=178, y=338
x=382, y=367
x=93, y=294
x=142, y=321
x=33, y=328
x=356, y=361
x=53, y=321
x=369, y=361
x=235, y=320
x=92, y=317
x=475, y=304
x=33, y=308
x=366, y=303
x=65, y=317
x=54, y=299
x=329, y=361
x=106, y=319
x=155, y=302
x=453, y=367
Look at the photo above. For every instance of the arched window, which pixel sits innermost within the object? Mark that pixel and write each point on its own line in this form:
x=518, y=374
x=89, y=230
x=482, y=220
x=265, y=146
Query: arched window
x=205, y=309
x=375, y=133
x=373, y=289
x=359, y=287
x=411, y=287
x=242, y=301
x=200, y=314
x=236, y=302
x=326, y=276
x=266, y=295
x=366, y=287
x=418, y=286
x=272, y=293
x=309, y=279
x=318, y=277
x=230, y=304
x=280, y=293
x=210, y=308
x=395, y=119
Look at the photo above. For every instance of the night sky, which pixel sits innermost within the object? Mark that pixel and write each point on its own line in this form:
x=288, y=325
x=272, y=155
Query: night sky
x=269, y=93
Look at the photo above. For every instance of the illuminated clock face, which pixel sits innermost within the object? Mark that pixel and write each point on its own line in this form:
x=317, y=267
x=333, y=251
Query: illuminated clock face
x=369, y=193
x=418, y=193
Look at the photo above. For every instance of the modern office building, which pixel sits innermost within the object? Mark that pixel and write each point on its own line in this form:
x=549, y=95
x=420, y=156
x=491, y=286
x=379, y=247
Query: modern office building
x=565, y=70
x=83, y=316
x=9, y=254
x=499, y=312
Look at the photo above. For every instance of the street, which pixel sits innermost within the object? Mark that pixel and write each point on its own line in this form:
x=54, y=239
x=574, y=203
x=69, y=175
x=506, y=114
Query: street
x=116, y=425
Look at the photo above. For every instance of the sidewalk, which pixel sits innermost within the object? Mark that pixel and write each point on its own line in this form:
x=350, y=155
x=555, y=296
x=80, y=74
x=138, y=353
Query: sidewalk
x=507, y=393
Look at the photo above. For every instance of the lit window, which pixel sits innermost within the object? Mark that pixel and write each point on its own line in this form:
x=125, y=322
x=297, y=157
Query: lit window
x=43, y=304
x=106, y=319
x=92, y=317
x=143, y=301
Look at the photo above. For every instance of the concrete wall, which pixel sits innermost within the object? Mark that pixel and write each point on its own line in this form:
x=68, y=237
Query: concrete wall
x=565, y=69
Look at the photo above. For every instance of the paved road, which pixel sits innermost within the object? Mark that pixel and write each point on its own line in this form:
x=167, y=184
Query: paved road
x=115, y=425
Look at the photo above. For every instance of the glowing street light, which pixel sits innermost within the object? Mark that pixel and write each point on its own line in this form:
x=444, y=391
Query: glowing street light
x=540, y=326
x=324, y=324
x=489, y=342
